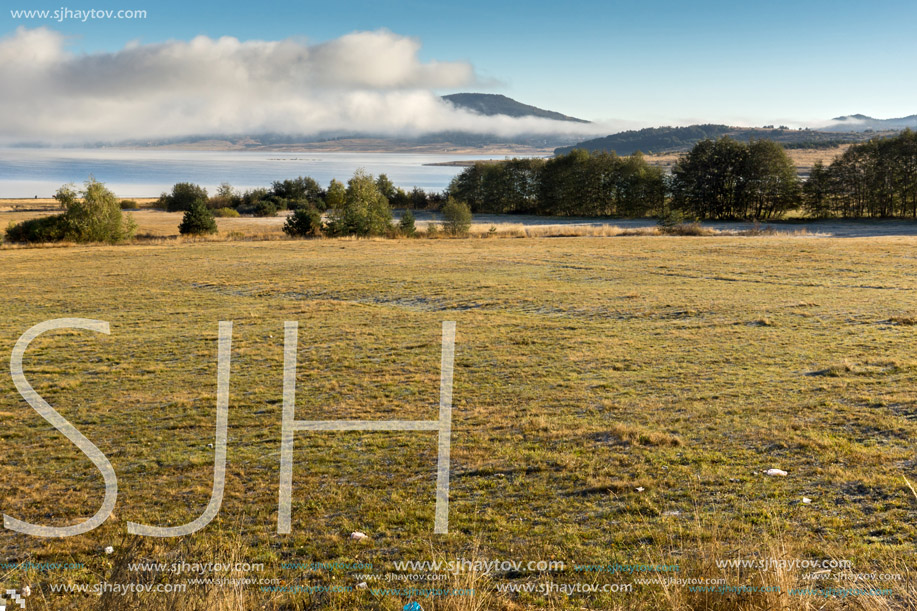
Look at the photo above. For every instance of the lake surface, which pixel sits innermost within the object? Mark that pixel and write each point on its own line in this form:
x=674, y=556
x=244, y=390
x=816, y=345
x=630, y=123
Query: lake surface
x=147, y=173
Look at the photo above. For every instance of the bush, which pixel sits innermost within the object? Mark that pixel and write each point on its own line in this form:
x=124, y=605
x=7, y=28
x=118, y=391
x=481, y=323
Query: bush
x=301, y=190
x=432, y=231
x=183, y=195
x=688, y=229
x=296, y=204
x=91, y=215
x=226, y=197
x=258, y=202
x=304, y=222
x=365, y=211
x=406, y=225
x=264, y=207
x=457, y=217
x=198, y=220
x=43, y=229
x=129, y=204
x=226, y=213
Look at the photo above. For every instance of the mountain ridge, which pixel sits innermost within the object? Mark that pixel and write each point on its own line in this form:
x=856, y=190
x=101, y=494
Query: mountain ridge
x=680, y=139
x=491, y=104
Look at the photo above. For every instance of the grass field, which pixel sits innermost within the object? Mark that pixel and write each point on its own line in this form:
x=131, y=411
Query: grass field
x=803, y=159
x=617, y=400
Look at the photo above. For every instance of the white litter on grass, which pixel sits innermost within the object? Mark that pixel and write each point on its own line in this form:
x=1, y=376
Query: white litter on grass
x=640, y=488
x=674, y=512
x=358, y=536
x=26, y=591
x=806, y=500
x=362, y=585
x=109, y=550
x=773, y=472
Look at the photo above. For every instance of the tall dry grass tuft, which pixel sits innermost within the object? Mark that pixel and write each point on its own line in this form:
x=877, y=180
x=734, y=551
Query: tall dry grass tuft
x=688, y=229
x=480, y=583
x=225, y=592
x=700, y=547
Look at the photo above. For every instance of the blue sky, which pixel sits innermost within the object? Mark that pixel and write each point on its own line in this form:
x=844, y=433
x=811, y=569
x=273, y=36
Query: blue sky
x=646, y=63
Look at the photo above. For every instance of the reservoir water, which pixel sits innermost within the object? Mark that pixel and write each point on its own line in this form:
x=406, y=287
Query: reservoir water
x=27, y=172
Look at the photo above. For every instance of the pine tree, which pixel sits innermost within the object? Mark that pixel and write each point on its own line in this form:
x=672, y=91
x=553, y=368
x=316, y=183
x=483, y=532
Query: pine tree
x=198, y=220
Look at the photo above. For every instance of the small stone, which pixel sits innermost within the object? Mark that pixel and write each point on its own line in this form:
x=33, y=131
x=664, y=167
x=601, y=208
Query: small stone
x=358, y=536
x=806, y=500
x=362, y=585
x=640, y=488
x=775, y=472
x=109, y=550
x=26, y=591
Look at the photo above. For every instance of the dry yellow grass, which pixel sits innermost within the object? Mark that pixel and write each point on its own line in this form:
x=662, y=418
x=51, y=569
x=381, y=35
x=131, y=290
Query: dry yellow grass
x=585, y=369
x=804, y=159
x=157, y=225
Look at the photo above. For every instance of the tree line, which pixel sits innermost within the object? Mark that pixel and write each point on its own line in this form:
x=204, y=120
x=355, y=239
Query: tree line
x=575, y=184
x=717, y=179
x=359, y=208
x=362, y=207
x=290, y=194
x=874, y=179
x=721, y=179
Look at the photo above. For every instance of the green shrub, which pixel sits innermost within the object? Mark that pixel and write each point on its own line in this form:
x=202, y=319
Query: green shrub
x=91, y=215
x=226, y=197
x=456, y=217
x=182, y=196
x=264, y=207
x=258, y=202
x=365, y=211
x=296, y=204
x=94, y=214
x=226, y=213
x=129, y=204
x=305, y=222
x=42, y=229
x=198, y=220
x=432, y=230
x=406, y=225
x=302, y=190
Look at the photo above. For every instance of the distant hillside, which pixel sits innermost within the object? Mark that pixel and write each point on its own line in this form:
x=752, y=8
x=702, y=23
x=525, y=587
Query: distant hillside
x=651, y=139
x=495, y=104
x=463, y=143
x=676, y=139
x=861, y=123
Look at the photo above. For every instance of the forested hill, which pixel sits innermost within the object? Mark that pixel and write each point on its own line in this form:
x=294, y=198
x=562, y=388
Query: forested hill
x=494, y=104
x=679, y=139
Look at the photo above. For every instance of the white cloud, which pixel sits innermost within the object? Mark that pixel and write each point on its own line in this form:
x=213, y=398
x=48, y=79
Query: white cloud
x=362, y=82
